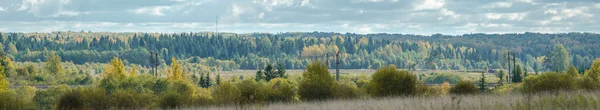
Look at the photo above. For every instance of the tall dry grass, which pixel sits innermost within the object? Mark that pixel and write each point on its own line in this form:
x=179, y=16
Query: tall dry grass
x=580, y=100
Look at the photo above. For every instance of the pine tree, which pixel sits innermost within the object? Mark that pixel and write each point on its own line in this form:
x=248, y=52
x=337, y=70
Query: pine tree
x=202, y=80
x=259, y=75
x=482, y=82
x=208, y=80
x=517, y=74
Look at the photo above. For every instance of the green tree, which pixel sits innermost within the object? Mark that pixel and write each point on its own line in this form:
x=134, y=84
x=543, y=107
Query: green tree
x=482, y=86
x=387, y=81
x=517, y=75
x=259, y=75
x=573, y=71
x=502, y=75
x=53, y=64
x=316, y=82
x=558, y=60
x=12, y=49
x=594, y=71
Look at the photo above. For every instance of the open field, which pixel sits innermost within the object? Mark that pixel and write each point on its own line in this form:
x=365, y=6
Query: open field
x=545, y=101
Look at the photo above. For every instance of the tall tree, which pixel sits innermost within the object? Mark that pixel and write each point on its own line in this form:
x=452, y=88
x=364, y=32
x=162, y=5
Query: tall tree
x=4, y=84
x=558, y=60
x=594, y=71
x=53, y=64
x=482, y=82
x=517, y=74
x=176, y=70
x=115, y=69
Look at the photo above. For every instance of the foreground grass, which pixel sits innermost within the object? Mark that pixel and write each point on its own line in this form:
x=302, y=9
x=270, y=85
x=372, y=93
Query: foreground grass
x=553, y=101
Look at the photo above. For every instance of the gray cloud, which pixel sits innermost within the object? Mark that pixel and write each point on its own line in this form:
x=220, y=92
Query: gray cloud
x=360, y=16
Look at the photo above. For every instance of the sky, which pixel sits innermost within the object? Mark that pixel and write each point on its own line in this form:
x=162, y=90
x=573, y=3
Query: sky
x=452, y=17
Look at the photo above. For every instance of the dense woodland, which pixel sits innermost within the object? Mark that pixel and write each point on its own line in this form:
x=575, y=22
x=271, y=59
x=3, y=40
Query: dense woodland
x=228, y=51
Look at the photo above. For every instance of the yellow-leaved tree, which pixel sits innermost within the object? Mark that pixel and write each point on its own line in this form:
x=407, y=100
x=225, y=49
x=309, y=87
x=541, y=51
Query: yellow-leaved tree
x=53, y=65
x=133, y=71
x=176, y=71
x=115, y=69
x=594, y=71
x=3, y=82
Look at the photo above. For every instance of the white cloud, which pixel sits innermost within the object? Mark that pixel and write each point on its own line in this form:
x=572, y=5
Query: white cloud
x=46, y=8
x=2, y=9
x=236, y=10
x=551, y=11
x=507, y=16
x=447, y=12
x=261, y=16
x=155, y=11
x=305, y=3
x=570, y=13
x=598, y=5
x=430, y=4
x=498, y=5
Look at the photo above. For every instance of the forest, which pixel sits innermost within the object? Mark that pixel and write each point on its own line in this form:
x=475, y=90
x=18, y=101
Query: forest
x=109, y=70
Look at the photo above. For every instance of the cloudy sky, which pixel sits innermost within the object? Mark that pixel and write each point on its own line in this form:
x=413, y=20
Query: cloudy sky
x=355, y=16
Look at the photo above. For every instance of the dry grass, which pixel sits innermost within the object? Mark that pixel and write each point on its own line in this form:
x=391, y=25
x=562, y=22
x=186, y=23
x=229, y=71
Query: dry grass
x=552, y=101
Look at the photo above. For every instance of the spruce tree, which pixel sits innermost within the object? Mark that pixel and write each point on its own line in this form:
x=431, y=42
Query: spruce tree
x=482, y=82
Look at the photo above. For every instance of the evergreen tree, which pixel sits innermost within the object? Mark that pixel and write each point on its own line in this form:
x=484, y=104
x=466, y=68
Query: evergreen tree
x=259, y=75
x=517, y=74
x=482, y=82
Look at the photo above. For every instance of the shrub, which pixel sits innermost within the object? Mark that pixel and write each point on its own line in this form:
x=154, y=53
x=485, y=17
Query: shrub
x=549, y=82
x=45, y=99
x=345, y=90
x=316, y=82
x=171, y=100
x=588, y=83
x=464, y=87
x=130, y=99
x=281, y=90
x=226, y=93
x=250, y=91
x=72, y=100
x=9, y=100
x=387, y=81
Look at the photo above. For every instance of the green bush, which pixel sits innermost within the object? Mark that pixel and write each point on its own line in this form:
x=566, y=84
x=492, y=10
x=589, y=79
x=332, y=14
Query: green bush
x=45, y=99
x=226, y=93
x=10, y=100
x=464, y=87
x=316, y=82
x=250, y=91
x=171, y=100
x=71, y=100
x=549, y=82
x=587, y=83
x=387, y=81
x=345, y=90
x=281, y=90
x=130, y=99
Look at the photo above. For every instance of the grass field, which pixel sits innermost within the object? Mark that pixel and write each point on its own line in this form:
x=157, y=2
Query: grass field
x=546, y=101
